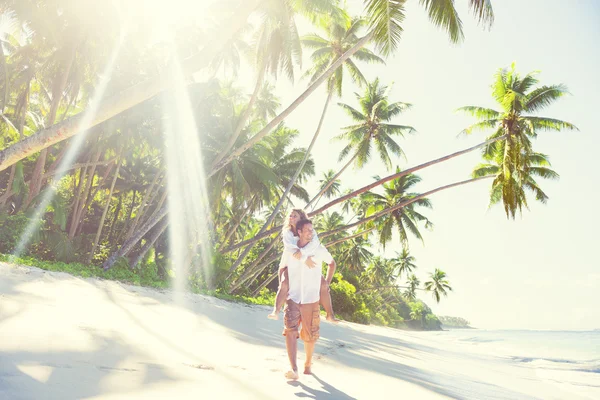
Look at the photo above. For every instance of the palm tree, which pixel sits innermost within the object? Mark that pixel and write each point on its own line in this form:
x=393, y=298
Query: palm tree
x=355, y=254
x=372, y=127
x=418, y=312
x=536, y=164
x=277, y=48
x=438, y=284
x=380, y=272
x=343, y=35
x=518, y=99
x=330, y=221
x=334, y=187
x=405, y=218
x=413, y=284
x=404, y=263
x=384, y=16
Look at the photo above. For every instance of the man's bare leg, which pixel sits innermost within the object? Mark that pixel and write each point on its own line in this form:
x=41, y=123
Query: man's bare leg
x=309, y=348
x=291, y=344
x=326, y=301
x=282, y=294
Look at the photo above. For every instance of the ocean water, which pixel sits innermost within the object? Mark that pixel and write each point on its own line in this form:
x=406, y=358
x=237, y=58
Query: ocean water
x=529, y=345
x=567, y=358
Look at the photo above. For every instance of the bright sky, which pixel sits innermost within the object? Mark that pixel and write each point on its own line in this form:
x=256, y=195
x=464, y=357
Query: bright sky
x=532, y=273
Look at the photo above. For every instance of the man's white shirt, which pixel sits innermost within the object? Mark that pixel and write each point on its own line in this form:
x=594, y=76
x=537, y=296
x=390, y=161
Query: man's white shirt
x=305, y=283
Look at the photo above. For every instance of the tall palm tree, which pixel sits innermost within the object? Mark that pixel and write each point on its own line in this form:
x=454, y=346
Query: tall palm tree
x=404, y=262
x=518, y=99
x=438, y=285
x=343, y=35
x=277, y=48
x=413, y=284
x=372, y=127
x=403, y=219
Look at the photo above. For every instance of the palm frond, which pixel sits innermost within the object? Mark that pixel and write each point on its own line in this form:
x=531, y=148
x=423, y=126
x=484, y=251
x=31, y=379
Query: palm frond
x=444, y=15
x=543, y=96
x=385, y=19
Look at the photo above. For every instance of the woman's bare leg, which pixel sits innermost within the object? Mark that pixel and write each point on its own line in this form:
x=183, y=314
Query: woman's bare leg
x=282, y=293
x=326, y=301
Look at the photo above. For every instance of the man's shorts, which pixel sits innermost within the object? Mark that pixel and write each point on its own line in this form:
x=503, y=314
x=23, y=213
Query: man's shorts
x=308, y=316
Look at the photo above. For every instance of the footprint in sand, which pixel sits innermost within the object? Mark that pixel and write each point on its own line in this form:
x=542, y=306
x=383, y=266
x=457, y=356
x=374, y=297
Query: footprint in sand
x=201, y=366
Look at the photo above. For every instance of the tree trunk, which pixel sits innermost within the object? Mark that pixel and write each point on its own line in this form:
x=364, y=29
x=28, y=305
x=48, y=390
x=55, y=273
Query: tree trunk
x=11, y=177
x=264, y=284
x=88, y=184
x=111, y=233
x=239, y=221
x=57, y=96
x=361, y=190
x=129, y=244
x=121, y=234
x=140, y=210
x=344, y=239
x=400, y=205
x=401, y=174
x=336, y=176
x=159, y=230
x=78, y=191
x=250, y=270
x=289, y=186
x=105, y=211
x=129, y=97
x=278, y=119
x=242, y=122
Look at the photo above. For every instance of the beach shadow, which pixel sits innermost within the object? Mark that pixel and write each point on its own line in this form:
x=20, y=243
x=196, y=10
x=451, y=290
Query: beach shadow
x=329, y=393
x=68, y=375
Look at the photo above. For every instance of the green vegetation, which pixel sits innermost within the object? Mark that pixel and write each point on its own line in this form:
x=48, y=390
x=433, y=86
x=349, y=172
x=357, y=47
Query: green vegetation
x=454, y=322
x=104, y=212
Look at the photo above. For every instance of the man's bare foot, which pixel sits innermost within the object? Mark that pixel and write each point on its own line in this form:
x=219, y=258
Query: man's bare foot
x=273, y=315
x=332, y=319
x=291, y=375
x=307, y=370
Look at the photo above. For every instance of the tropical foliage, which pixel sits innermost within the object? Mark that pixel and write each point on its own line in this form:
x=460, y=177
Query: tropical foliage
x=104, y=131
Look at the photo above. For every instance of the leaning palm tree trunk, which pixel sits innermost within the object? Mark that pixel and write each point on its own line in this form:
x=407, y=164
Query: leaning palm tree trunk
x=242, y=122
x=364, y=189
x=401, y=174
x=129, y=244
x=400, y=205
x=239, y=221
x=278, y=119
x=78, y=212
x=140, y=210
x=250, y=271
x=104, y=212
x=318, y=196
x=128, y=98
x=264, y=284
x=155, y=235
x=291, y=183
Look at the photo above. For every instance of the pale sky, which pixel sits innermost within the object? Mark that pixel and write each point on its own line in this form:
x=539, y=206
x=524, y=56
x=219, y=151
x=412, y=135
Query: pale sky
x=535, y=272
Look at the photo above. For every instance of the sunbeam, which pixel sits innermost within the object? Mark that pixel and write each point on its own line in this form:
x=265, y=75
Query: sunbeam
x=188, y=200
x=73, y=150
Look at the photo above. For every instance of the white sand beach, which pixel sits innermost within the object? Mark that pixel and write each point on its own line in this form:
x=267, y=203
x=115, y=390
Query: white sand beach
x=63, y=337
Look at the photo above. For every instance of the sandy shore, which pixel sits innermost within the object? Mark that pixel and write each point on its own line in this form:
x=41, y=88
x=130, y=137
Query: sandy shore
x=63, y=337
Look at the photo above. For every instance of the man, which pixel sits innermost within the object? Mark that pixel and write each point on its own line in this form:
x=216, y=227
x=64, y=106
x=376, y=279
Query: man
x=302, y=306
